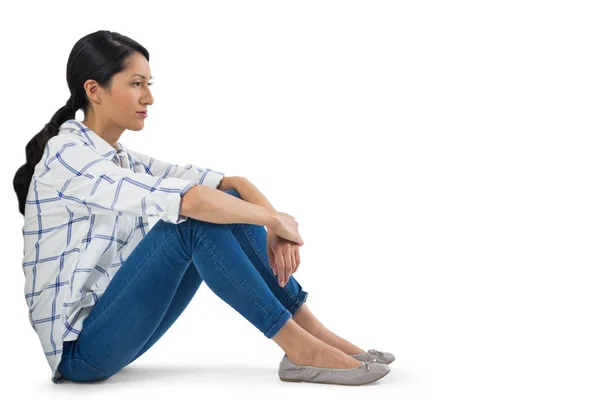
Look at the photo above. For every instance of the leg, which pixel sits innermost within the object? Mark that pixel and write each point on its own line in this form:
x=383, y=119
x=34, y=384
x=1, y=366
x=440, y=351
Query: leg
x=253, y=239
x=185, y=292
x=131, y=308
x=138, y=297
x=311, y=324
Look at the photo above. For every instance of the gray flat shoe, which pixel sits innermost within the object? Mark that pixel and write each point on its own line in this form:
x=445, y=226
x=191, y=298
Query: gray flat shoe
x=375, y=356
x=366, y=373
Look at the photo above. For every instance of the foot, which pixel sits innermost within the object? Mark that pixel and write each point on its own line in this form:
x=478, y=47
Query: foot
x=325, y=335
x=325, y=356
x=305, y=318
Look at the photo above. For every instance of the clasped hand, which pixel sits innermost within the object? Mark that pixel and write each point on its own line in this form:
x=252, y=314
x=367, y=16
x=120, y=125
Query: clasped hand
x=283, y=253
x=284, y=257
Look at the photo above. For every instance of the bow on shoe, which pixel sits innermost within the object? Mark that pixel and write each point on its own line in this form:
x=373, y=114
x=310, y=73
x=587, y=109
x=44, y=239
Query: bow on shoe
x=373, y=351
x=376, y=355
x=367, y=364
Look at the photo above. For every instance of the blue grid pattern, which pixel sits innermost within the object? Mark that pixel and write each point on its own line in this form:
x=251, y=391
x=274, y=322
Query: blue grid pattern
x=87, y=208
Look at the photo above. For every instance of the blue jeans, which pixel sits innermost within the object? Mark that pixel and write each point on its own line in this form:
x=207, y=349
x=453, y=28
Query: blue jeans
x=158, y=280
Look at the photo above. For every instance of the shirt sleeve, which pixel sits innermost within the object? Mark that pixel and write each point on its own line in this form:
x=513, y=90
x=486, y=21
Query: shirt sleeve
x=156, y=167
x=90, y=183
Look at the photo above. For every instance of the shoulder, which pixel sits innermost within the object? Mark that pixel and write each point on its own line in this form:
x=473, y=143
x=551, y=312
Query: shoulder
x=65, y=139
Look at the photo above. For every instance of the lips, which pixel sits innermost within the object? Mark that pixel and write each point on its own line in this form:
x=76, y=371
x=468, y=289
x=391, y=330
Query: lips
x=143, y=112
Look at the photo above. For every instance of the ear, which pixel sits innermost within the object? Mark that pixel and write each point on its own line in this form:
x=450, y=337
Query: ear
x=93, y=90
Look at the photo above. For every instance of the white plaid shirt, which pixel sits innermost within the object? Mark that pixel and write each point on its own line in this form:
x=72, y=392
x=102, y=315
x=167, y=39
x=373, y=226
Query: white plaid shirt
x=87, y=208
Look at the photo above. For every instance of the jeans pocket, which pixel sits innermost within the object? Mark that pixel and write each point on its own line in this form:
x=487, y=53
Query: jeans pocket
x=79, y=371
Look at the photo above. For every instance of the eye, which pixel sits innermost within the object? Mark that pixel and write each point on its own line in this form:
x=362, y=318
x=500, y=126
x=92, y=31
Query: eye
x=139, y=83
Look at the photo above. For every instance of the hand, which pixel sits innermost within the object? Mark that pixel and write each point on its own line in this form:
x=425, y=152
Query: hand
x=285, y=226
x=284, y=256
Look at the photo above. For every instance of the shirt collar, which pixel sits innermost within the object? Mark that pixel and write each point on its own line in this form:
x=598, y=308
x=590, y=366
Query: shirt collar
x=91, y=138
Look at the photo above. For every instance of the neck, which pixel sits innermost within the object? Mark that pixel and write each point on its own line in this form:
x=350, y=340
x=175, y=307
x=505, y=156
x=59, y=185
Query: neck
x=108, y=132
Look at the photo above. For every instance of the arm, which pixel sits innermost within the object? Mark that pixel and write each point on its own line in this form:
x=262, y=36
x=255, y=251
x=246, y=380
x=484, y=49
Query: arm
x=211, y=211
x=251, y=194
x=207, y=204
x=229, y=182
x=156, y=167
x=207, y=177
x=91, y=184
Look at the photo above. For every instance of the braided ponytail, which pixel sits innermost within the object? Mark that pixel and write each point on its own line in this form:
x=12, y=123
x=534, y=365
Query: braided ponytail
x=35, y=149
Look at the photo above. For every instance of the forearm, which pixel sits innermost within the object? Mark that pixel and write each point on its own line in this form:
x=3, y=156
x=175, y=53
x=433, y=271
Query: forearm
x=208, y=204
x=251, y=194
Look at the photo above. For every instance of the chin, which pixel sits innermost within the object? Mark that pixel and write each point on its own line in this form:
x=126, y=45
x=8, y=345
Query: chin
x=137, y=127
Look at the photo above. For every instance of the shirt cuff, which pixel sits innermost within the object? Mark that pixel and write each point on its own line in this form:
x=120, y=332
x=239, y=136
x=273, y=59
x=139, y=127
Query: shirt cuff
x=169, y=210
x=211, y=178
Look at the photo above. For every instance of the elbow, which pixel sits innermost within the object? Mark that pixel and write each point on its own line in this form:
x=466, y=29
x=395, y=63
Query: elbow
x=189, y=201
x=230, y=182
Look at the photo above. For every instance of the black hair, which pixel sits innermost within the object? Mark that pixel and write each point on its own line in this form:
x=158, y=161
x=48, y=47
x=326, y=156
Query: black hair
x=98, y=56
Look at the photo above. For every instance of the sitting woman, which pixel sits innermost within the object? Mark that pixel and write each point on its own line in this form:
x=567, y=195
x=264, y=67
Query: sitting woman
x=104, y=282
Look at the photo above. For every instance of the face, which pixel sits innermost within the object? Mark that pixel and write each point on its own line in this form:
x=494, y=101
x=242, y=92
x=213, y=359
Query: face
x=129, y=93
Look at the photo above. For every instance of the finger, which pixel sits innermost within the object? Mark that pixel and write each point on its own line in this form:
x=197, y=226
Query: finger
x=297, y=255
x=272, y=260
x=292, y=253
x=282, y=276
x=280, y=265
x=288, y=268
x=269, y=257
x=289, y=264
x=283, y=270
x=294, y=260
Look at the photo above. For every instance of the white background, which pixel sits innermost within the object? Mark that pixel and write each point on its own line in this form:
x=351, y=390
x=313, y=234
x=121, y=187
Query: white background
x=441, y=159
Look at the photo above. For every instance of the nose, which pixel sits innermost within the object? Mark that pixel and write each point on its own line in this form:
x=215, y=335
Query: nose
x=148, y=98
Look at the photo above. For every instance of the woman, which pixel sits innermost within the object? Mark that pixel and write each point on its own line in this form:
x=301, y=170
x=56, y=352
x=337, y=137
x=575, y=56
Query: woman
x=87, y=201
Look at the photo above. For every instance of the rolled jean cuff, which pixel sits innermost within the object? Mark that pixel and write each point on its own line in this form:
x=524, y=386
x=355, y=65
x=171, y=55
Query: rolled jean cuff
x=301, y=299
x=274, y=329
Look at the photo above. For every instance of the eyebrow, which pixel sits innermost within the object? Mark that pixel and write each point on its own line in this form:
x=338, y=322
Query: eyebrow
x=142, y=76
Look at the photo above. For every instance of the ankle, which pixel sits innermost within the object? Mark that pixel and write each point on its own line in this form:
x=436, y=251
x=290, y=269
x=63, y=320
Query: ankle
x=309, y=353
